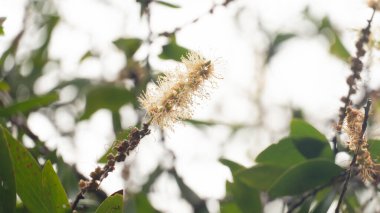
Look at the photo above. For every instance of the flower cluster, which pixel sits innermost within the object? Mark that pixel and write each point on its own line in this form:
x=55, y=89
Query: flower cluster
x=171, y=99
x=375, y=4
x=358, y=144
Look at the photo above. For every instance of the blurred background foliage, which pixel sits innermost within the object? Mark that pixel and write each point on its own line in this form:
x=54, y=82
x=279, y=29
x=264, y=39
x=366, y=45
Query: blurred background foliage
x=290, y=169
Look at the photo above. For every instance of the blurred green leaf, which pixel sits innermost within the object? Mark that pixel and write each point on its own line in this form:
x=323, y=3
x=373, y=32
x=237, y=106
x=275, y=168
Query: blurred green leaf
x=278, y=40
x=7, y=178
x=260, y=176
x=139, y=203
x=167, y=4
x=352, y=203
x=303, y=177
x=152, y=179
x=188, y=194
x=113, y=204
x=28, y=176
x=246, y=198
x=172, y=50
x=374, y=149
x=283, y=154
x=30, y=104
x=128, y=45
x=326, y=202
x=336, y=46
x=88, y=54
x=54, y=193
x=2, y=19
x=4, y=86
x=234, y=167
x=107, y=97
x=229, y=207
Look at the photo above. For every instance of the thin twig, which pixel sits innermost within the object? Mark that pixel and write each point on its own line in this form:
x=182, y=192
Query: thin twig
x=99, y=174
x=314, y=192
x=353, y=161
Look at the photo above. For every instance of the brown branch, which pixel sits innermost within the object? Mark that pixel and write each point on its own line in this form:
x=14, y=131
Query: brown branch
x=353, y=161
x=356, y=68
x=99, y=174
x=314, y=192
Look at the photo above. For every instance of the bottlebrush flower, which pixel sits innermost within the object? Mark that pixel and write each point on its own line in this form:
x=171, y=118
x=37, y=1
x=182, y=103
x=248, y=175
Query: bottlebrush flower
x=375, y=4
x=172, y=98
x=358, y=144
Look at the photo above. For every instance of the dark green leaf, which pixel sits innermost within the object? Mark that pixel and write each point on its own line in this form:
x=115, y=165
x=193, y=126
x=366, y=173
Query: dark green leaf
x=301, y=129
x=113, y=204
x=152, y=179
x=53, y=191
x=30, y=104
x=173, y=51
x=139, y=203
x=246, y=198
x=234, y=167
x=28, y=176
x=167, y=4
x=128, y=45
x=7, y=178
x=107, y=97
x=260, y=176
x=283, y=154
x=303, y=177
x=309, y=141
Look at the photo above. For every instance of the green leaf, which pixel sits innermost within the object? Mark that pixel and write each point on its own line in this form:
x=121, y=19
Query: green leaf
x=188, y=194
x=234, y=167
x=173, y=51
x=338, y=49
x=88, y=54
x=28, y=176
x=2, y=19
x=336, y=46
x=309, y=141
x=4, y=86
x=260, y=176
x=303, y=177
x=246, y=198
x=301, y=129
x=326, y=202
x=275, y=44
x=128, y=45
x=168, y=4
x=30, y=104
x=229, y=207
x=53, y=191
x=113, y=204
x=7, y=178
x=283, y=154
x=139, y=203
x=374, y=149
x=107, y=97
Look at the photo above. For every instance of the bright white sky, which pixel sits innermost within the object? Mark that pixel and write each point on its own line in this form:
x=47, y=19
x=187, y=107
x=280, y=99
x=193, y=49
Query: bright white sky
x=302, y=75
